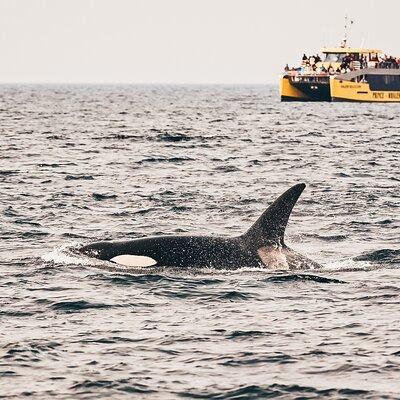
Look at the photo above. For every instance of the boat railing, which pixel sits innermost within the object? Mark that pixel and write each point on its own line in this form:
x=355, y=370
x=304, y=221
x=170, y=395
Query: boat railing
x=388, y=65
x=363, y=74
x=310, y=78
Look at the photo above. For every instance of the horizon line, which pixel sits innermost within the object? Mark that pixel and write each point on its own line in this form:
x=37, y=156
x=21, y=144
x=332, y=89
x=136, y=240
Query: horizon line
x=140, y=83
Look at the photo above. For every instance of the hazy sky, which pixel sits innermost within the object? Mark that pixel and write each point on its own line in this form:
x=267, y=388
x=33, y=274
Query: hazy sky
x=179, y=41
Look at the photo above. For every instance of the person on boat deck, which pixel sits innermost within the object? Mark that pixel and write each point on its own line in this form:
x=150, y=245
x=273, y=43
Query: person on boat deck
x=363, y=61
x=347, y=59
x=391, y=62
x=304, y=60
x=381, y=59
x=373, y=61
x=307, y=69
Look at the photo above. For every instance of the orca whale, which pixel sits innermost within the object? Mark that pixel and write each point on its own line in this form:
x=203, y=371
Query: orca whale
x=262, y=245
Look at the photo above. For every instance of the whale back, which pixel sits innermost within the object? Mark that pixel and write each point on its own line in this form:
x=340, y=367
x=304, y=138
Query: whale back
x=269, y=229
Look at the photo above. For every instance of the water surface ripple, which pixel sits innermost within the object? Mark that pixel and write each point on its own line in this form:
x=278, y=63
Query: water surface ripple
x=83, y=163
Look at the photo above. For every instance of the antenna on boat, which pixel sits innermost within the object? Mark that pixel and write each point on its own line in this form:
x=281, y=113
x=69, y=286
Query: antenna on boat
x=346, y=26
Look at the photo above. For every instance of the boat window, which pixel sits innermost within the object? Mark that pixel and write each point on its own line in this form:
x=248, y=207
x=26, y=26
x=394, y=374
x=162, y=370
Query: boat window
x=334, y=57
x=384, y=82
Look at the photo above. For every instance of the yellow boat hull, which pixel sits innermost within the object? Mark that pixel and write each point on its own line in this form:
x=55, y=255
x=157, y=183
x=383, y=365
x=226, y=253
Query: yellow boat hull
x=360, y=91
x=289, y=92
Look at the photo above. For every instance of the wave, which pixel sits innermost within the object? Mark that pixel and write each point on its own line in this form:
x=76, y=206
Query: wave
x=234, y=295
x=103, y=196
x=278, y=391
x=348, y=265
x=125, y=385
x=302, y=278
x=164, y=159
x=9, y=211
x=26, y=221
x=79, y=177
x=34, y=233
x=328, y=238
x=382, y=256
x=227, y=168
x=73, y=306
x=66, y=254
x=245, y=334
x=249, y=358
x=118, y=136
x=8, y=172
x=172, y=137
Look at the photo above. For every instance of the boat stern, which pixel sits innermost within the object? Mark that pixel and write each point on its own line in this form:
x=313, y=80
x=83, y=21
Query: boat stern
x=288, y=92
x=304, y=87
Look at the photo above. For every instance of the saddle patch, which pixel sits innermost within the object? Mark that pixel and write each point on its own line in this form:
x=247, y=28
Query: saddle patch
x=272, y=257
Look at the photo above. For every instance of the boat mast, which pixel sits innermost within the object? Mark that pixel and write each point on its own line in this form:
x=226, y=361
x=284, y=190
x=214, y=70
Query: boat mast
x=346, y=25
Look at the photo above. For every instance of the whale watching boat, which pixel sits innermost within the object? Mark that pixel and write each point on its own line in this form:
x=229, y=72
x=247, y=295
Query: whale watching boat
x=343, y=74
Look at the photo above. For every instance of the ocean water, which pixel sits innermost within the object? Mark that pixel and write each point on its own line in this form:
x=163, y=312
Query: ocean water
x=86, y=163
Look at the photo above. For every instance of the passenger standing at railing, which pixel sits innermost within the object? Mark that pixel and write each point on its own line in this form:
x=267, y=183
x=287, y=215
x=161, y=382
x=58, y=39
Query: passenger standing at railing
x=392, y=63
x=363, y=61
x=384, y=61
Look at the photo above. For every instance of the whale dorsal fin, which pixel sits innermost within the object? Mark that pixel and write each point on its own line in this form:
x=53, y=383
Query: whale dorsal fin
x=270, y=227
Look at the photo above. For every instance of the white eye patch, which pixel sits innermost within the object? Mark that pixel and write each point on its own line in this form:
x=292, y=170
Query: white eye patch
x=130, y=260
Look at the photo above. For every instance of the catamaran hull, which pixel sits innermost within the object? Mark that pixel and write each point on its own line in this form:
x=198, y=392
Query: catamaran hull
x=296, y=90
x=364, y=85
x=367, y=85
